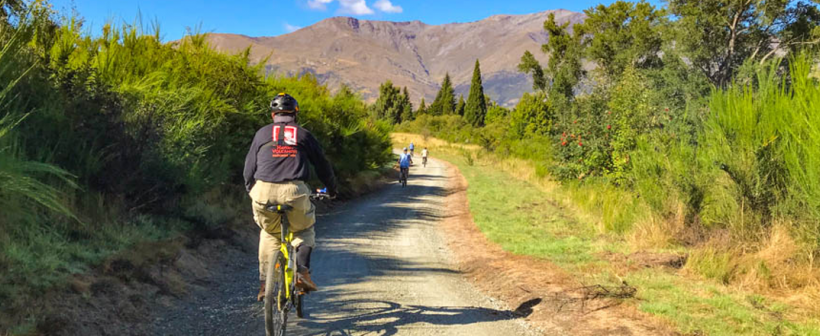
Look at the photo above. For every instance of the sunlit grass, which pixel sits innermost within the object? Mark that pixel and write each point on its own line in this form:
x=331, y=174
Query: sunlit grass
x=530, y=215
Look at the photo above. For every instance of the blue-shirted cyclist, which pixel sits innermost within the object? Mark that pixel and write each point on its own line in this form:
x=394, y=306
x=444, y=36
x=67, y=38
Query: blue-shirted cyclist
x=404, y=164
x=412, y=148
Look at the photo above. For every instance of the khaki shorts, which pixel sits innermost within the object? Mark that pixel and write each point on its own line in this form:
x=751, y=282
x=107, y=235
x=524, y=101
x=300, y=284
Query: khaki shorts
x=300, y=219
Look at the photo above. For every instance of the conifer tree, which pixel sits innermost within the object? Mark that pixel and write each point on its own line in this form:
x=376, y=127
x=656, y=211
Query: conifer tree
x=445, y=102
x=389, y=106
x=406, y=106
x=422, y=108
x=476, y=107
x=460, y=105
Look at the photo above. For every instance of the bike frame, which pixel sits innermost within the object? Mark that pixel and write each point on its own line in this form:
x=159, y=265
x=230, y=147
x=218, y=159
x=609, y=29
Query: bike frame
x=286, y=241
x=291, y=298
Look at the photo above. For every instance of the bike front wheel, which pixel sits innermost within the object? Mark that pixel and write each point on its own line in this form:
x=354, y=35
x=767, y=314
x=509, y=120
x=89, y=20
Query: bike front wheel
x=276, y=310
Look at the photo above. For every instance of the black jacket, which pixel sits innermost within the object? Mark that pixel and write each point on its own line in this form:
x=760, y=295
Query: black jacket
x=270, y=162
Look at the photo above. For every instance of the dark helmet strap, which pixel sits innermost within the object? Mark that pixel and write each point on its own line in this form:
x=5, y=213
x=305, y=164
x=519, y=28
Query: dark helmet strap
x=281, y=135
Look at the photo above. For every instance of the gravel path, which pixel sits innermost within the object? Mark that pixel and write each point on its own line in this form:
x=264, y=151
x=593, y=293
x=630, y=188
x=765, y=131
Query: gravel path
x=382, y=268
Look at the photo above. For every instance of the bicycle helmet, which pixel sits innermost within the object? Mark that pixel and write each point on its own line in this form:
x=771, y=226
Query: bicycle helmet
x=405, y=149
x=284, y=103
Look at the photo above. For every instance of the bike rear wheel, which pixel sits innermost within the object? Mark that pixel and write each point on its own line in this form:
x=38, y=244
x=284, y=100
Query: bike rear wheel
x=276, y=305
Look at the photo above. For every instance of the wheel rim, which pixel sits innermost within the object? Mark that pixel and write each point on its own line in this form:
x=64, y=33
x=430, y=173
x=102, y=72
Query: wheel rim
x=275, y=311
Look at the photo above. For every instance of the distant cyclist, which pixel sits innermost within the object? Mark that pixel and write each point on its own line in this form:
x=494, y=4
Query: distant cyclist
x=412, y=147
x=404, y=164
x=275, y=172
x=424, y=157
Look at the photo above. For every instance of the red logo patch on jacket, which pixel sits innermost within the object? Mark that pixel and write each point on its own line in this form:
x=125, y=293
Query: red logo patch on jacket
x=289, y=149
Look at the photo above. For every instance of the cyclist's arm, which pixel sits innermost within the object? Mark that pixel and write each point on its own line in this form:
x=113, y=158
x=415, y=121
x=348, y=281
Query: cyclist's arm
x=320, y=162
x=250, y=165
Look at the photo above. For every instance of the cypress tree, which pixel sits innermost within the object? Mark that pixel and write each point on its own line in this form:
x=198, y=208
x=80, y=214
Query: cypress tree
x=445, y=102
x=476, y=108
x=460, y=105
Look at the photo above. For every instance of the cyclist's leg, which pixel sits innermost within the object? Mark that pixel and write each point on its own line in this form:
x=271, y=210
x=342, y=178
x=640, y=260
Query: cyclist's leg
x=268, y=222
x=301, y=220
x=270, y=230
x=304, y=242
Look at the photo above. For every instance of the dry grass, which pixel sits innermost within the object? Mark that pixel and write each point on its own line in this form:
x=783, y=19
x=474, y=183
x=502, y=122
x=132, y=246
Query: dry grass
x=774, y=264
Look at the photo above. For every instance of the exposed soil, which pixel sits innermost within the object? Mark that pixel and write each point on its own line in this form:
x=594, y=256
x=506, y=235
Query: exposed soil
x=565, y=307
x=118, y=297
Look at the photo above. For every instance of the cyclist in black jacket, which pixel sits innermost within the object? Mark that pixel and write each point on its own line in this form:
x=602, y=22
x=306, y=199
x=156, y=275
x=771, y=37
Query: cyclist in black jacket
x=276, y=169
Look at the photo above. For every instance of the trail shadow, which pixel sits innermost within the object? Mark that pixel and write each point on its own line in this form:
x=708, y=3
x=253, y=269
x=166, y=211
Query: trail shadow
x=386, y=317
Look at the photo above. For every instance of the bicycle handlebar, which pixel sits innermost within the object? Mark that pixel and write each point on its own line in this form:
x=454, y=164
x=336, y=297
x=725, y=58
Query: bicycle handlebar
x=320, y=195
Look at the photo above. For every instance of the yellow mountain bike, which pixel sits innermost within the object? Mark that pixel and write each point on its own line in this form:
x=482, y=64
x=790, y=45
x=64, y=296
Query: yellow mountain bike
x=281, y=294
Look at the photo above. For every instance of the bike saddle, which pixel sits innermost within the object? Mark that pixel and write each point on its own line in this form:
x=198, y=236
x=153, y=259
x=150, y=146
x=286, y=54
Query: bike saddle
x=278, y=207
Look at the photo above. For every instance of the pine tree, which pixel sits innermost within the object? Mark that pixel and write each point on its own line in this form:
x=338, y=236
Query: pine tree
x=460, y=105
x=476, y=109
x=389, y=106
x=406, y=106
x=422, y=108
x=445, y=102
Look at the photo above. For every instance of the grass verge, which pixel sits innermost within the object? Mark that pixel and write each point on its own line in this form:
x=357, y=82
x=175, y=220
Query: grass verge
x=579, y=228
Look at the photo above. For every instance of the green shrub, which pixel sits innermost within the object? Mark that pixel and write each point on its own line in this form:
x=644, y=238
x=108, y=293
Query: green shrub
x=764, y=147
x=111, y=139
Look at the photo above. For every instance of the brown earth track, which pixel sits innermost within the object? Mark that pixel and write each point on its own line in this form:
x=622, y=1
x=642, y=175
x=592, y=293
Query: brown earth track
x=555, y=299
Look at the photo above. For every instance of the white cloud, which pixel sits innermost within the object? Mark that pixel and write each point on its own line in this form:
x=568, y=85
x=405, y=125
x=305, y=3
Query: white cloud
x=387, y=7
x=291, y=28
x=350, y=7
x=355, y=7
x=318, y=4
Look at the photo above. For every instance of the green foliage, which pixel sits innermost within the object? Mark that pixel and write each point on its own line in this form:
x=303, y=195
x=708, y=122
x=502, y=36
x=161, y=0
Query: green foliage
x=460, y=105
x=763, y=144
x=448, y=127
x=564, y=66
x=623, y=34
x=532, y=116
x=407, y=106
x=631, y=114
x=116, y=138
x=391, y=104
x=717, y=37
x=445, y=102
x=496, y=114
x=529, y=65
x=422, y=108
x=476, y=109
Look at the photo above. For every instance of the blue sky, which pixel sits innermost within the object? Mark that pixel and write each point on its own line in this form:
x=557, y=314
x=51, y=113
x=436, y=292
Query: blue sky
x=276, y=17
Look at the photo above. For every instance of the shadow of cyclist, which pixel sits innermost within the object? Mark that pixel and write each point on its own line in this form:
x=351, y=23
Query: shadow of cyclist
x=384, y=317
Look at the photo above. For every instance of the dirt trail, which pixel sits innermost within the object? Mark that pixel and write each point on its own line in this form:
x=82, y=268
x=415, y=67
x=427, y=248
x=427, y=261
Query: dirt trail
x=383, y=268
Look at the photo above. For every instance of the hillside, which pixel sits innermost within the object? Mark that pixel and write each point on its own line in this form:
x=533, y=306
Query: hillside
x=363, y=54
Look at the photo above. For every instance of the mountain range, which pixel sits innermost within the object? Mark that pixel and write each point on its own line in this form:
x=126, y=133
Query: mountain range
x=363, y=54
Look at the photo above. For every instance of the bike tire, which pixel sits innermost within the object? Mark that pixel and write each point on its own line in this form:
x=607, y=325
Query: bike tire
x=276, y=313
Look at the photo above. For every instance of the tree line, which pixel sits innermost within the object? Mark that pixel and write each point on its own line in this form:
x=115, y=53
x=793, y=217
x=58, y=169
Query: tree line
x=394, y=104
x=667, y=104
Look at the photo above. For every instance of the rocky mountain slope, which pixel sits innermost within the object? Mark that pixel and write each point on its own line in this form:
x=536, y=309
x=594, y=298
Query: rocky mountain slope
x=363, y=54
